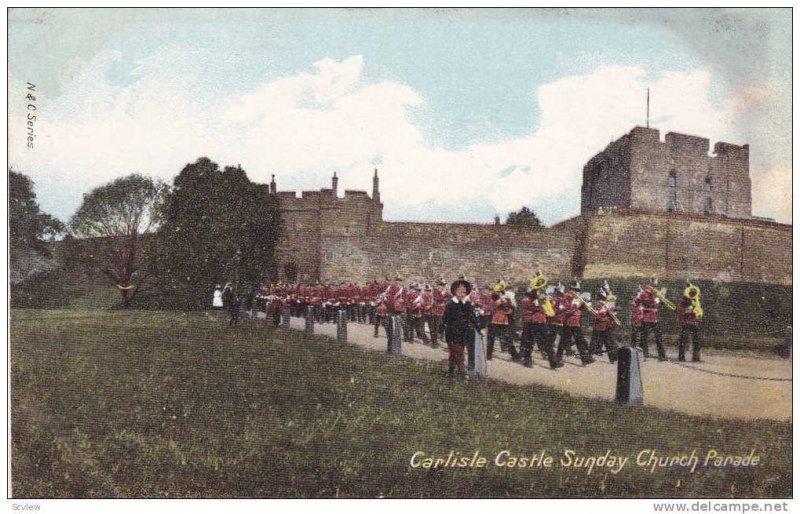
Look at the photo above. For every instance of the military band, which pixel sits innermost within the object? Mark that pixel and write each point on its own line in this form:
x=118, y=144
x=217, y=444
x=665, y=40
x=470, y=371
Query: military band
x=551, y=316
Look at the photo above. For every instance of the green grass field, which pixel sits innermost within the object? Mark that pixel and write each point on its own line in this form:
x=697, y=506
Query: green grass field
x=157, y=404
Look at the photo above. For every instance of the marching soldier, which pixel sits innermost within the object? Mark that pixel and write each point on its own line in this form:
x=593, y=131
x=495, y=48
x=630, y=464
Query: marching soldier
x=511, y=299
x=417, y=313
x=649, y=301
x=534, y=327
x=381, y=318
x=437, y=311
x=689, y=313
x=603, y=332
x=426, y=300
x=396, y=303
x=499, y=326
x=572, y=324
x=483, y=299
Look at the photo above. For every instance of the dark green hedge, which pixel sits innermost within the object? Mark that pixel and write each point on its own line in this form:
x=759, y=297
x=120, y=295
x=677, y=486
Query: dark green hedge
x=731, y=309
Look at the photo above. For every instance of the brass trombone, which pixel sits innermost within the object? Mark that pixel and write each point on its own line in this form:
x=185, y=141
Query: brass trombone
x=586, y=304
x=661, y=296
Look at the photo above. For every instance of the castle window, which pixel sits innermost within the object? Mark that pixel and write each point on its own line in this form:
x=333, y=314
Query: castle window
x=673, y=180
x=670, y=205
x=709, y=206
x=707, y=186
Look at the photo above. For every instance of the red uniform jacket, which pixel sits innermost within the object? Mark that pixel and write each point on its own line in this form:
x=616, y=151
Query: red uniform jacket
x=414, y=306
x=532, y=310
x=427, y=303
x=485, y=302
x=603, y=322
x=560, y=304
x=649, y=304
x=572, y=312
x=502, y=310
x=685, y=310
x=275, y=306
x=381, y=310
x=439, y=302
x=636, y=313
x=395, y=295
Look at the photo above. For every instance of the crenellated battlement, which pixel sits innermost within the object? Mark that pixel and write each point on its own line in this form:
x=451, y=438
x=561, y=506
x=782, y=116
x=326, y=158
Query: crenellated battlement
x=643, y=204
x=639, y=171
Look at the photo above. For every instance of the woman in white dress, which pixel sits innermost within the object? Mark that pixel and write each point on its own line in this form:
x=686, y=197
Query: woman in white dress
x=217, y=302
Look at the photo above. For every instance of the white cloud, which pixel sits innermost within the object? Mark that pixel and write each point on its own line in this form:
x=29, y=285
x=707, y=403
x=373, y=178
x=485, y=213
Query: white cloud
x=772, y=192
x=305, y=126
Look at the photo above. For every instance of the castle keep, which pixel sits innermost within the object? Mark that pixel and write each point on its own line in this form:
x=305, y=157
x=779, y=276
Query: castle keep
x=648, y=207
x=639, y=171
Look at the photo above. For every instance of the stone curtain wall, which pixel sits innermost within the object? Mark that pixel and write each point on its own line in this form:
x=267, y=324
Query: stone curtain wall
x=680, y=247
x=426, y=251
x=602, y=245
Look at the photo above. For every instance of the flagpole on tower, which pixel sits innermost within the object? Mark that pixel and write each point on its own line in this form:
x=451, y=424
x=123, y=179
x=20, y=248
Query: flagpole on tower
x=648, y=107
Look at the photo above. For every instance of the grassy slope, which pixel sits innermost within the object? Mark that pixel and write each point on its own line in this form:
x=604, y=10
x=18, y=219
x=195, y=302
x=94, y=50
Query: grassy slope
x=65, y=289
x=133, y=404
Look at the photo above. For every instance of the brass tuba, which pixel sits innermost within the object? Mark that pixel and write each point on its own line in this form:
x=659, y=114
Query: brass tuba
x=693, y=292
x=539, y=281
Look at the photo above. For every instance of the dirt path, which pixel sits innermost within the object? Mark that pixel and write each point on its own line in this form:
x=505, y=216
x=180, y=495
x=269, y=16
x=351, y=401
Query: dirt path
x=693, y=388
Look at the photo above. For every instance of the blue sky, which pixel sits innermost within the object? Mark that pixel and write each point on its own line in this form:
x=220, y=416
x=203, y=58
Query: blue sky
x=466, y=113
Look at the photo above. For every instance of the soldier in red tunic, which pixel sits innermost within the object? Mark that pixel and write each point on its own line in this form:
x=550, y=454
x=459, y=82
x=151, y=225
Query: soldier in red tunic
x=603, y=331
x=416, y=313
x=534, y=327
x=396, y=303
x=572, y=324
x=499, y=326
x=439, y=301
x=381, y=316
x=689, y=312
x=649, y=302
x=483, y=299
x=426, y=304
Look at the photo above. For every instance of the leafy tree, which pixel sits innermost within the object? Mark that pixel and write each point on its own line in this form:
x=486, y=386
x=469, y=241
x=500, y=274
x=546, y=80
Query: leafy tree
x=28, y=226
x=217, y=227
x=524, y=217
x=117, y=219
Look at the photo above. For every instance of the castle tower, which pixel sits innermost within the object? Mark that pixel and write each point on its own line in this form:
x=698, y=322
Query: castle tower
x=335, y=185
x=376, y=194
x=639, y=171
x=273, y=187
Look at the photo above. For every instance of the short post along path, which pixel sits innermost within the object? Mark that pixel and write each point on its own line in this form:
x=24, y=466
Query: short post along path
x=704, y=389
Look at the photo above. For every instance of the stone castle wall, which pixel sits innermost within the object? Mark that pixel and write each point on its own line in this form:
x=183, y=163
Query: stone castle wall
x=312, y=216
x=624, y=230
x=681, y=246
x=426, y=251
x=602, y=245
